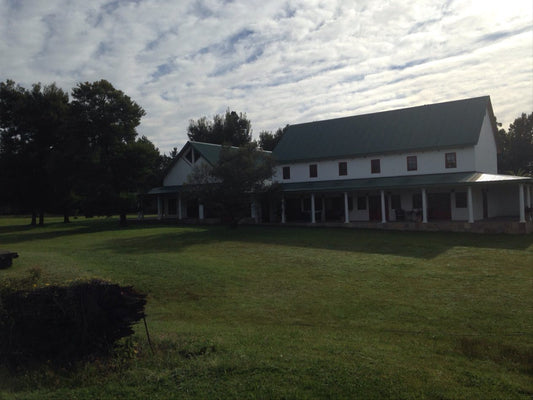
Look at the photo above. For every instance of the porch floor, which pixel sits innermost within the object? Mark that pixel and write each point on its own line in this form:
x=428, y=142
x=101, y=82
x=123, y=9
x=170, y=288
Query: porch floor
x=493, y=225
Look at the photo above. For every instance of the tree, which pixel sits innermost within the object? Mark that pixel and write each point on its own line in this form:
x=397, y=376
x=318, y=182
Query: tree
x=32, y=129
x=232, y=128
x=115, y=161
x=268, y=141
x=516, y=147
x=227, y=187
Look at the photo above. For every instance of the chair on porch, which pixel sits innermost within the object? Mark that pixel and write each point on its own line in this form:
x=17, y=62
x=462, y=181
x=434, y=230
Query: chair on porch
x=400, y=214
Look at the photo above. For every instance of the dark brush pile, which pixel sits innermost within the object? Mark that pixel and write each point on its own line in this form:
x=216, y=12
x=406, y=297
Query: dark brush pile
x=67, y=323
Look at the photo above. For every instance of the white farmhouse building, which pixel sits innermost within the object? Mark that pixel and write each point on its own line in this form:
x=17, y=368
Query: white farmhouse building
x=426, y=167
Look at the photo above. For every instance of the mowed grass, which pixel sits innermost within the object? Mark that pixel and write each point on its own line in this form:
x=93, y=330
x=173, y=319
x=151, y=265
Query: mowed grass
x=293, y=313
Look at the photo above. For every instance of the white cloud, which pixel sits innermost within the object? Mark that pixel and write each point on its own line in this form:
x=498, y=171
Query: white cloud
x=280, y=62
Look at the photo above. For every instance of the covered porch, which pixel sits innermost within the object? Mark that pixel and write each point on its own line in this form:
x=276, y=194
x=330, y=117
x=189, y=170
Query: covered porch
x=423, y=202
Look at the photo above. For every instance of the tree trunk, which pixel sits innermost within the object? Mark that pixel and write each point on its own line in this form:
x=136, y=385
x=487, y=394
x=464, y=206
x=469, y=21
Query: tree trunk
x=33, y=218
x=66, y=218
x=123, y=221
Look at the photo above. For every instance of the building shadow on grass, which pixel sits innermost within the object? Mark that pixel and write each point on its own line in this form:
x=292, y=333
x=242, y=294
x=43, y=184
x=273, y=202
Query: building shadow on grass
x=422, y=245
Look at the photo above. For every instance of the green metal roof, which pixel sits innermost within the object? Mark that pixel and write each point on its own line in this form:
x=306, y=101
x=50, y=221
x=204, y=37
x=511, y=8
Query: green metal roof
x=209, y=151
x=444, y=125
x=411, y=181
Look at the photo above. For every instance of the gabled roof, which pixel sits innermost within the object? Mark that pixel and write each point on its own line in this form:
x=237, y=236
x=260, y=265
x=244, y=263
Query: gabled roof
x=429, y=127
x=209, y=151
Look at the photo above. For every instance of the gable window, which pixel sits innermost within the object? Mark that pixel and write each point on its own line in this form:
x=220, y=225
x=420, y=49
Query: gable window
x=343, y=168
x=460, y=200
x=361, y=203
x=313, y=171
x=412, y=163
x=286, y=172
x=188, y=156
x=450, y=160
x=375, y=166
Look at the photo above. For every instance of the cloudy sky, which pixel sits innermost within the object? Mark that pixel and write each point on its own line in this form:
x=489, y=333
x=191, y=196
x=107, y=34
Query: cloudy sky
x=279, y=61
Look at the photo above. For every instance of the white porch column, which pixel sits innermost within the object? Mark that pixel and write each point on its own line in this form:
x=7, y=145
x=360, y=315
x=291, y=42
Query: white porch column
x=252, y=211
x=522, y=204
x=283, y=220
x=346, y=210
x=159, y=208
x=313, y=218
x=528, y=195
x=179, y=206
x=383, y=215
x=200, y=211
x=424, y=206
x=470, y=205
x=323, y=214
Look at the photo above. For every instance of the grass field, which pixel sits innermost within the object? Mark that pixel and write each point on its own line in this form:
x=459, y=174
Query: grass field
x=292, y=313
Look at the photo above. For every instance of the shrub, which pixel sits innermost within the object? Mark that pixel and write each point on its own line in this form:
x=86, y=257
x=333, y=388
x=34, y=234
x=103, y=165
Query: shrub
x=67, y=323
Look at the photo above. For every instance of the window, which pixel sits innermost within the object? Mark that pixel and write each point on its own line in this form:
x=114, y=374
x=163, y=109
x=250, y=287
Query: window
x=375, y=166
x=460, y=200
x=417, y=200
x=313, y=171
x=343, y=168
x=451, y=160
x=188, y=156
x=286, y=172
x=412, y=164
x=361, y=203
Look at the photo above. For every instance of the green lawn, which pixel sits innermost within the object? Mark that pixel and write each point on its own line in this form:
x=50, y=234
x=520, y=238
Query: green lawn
x=267, y=312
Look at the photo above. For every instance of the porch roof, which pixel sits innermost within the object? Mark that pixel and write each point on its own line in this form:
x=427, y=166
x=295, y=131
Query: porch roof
x=411, y=181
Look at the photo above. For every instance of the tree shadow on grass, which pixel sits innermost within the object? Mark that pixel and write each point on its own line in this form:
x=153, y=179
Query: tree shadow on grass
x=410, y=244
x=425, y=245
x=12, y=234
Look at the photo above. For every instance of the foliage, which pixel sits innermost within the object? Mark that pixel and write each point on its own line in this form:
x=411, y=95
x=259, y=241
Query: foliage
x=32, y=131
x=117, y=162
x=229, y=186
x=268, y=141
x=516, y=147
x=66, y=323
x=57, y=156
x=231, y=128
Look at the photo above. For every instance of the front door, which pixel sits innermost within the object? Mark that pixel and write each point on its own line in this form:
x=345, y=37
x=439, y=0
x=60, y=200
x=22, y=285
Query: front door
x=374, y=208
x=439, y=206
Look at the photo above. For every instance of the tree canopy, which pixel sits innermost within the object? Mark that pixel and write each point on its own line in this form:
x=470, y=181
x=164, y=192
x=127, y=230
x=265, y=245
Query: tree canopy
x=268, y=141
x=56, y=155
x=231, y=128
x=516, y=147
x=32, y=131
x=227, y=186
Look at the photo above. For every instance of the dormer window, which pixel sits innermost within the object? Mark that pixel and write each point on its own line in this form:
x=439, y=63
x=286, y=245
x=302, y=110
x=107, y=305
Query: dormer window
x=343, y=168
x=286, y=172
x=450, y=160
x=412, y=164
x=375, y=166
x=313, y=171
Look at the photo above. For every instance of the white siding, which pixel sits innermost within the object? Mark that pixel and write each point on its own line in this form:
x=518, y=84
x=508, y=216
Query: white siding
x=429, y=162
x=485, y=150
x=180, y=171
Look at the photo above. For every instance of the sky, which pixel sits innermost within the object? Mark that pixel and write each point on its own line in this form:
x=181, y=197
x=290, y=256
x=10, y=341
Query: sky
x=279, y=61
